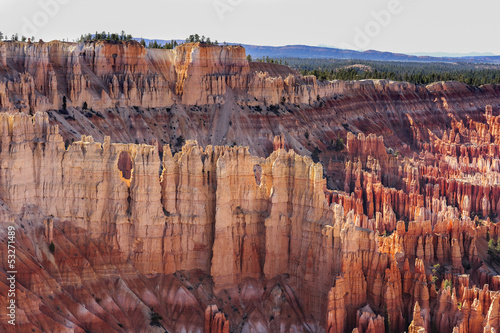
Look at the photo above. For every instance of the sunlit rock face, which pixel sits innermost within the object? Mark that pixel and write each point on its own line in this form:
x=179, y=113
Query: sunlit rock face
x=36, y=76
x=213, y=95
x=394, y=230
x=216, y=238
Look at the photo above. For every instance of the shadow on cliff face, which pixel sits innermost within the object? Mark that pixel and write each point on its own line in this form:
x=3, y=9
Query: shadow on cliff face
x=125, y=165
x=257, y=169
x=111, y=296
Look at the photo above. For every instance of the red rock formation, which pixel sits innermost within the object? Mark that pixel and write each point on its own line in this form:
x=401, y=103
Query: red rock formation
x=337, y=315
x=107, y=74
x=417, y=324
x=215, y=321
x=368, y=322
x=140, y=94
x=262, y=239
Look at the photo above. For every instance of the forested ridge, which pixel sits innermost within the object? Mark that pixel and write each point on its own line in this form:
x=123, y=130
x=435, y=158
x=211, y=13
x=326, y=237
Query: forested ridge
x=414, y=72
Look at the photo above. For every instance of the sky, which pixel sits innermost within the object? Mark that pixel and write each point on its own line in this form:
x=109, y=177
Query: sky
x=405, y=26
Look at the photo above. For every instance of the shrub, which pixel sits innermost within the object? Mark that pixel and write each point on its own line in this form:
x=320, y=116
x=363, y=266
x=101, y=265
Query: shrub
x=315, y=155
x=448, y=283
x=155, y=319
x=339, y=144
x=180, y=141
x=52, y=247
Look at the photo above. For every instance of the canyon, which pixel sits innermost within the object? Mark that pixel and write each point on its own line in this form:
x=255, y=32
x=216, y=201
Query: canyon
x=191, y=190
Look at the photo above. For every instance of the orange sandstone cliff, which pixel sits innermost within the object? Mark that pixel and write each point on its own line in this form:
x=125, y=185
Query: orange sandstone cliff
x=395, y=230
x=218, y=239
x=212, y=94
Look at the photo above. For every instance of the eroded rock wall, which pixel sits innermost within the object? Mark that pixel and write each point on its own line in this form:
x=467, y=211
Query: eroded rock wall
x=259, y=241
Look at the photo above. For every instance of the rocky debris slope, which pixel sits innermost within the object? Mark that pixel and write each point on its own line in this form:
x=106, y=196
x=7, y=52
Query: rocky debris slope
x=401, y=234
x=216, y=239
x=212, y=94
x=115, y=221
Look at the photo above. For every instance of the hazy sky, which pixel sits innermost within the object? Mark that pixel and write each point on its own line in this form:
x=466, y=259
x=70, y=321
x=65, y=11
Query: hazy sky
x=457, y=26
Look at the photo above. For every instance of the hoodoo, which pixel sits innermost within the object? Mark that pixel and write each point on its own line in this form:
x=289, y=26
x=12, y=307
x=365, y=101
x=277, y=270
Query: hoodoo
x=190, y=190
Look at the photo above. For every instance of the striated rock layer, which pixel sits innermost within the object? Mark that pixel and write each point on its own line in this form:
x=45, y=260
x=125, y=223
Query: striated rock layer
x=401, y=235
x=37, y=76
x=212, y=94
x=216, y=239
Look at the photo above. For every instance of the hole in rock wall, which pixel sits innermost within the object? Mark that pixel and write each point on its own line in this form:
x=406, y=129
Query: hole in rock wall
x=125, y=165
x=257, y=170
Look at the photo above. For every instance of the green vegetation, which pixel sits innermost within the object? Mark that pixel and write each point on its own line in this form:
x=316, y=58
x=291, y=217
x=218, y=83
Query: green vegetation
x=274, y=61
x=494, y=251
x=15, y=37
x=197, y=39
x=387, y=321
x=173, y=43
x=436, y=270
x=339, y=144
x=448, y=283
x=105, y=36
x=155, y=45
x=414, y=72
x=155, y=319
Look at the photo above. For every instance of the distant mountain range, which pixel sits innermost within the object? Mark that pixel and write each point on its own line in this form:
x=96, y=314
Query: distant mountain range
x=321, y=52
x=305, y=51
x=453, y=55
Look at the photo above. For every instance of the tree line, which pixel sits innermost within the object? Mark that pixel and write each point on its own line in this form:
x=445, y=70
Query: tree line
x=268, y=60
x=15, y=37
x=117, y=37
x=413, y=72
x=197, y=39
x=105, y=36
x=157, y=45
x=172, y=44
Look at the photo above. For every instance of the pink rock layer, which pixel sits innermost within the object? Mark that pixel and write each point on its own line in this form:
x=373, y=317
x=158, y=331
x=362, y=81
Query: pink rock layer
x=225, y=239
